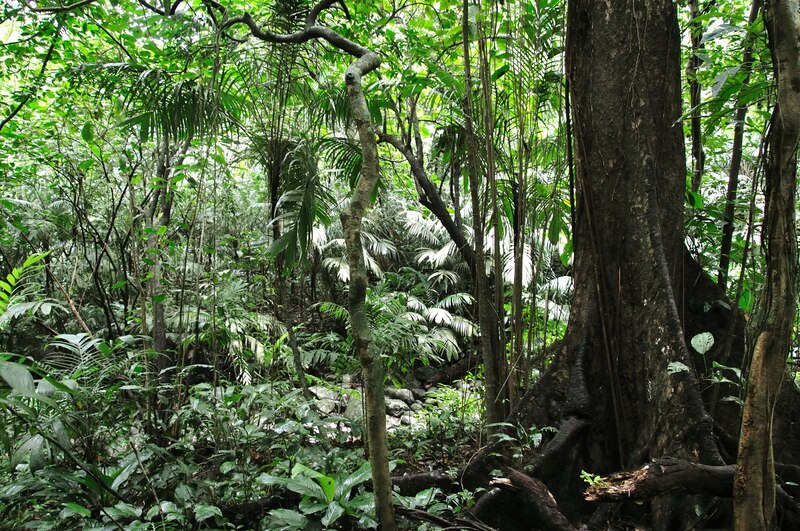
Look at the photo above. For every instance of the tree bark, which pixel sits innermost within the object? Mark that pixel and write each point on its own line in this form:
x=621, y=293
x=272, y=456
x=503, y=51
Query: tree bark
x=371, y=364
x=698, y=154
x=352, y=217
x=495, y=403
x=736, y=157
x=754, y=485
x=624, y=373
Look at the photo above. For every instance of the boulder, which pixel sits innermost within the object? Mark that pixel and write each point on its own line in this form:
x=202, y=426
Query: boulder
x=395, y=407
x=418, y=393
x=324, y=393
x=326, y=406
x=400, y=394
x=354, y=411
x=392, y=422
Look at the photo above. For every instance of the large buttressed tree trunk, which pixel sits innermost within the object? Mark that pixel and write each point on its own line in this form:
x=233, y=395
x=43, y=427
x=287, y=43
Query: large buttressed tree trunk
x=623, y=63
x=626, y=389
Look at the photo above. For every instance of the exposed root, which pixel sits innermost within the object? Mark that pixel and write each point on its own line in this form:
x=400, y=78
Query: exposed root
x=675, y=476
x=663, y=476
x=538, y=499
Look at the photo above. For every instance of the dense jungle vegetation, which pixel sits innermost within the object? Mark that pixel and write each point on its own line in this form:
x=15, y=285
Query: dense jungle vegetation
x=435, y=264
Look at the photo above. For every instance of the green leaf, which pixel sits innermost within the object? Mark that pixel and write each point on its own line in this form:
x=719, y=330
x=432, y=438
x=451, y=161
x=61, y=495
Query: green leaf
x=289, y=517
x=747, y=301
x=332, y=514
x=306, y=486
x=79, y=509
x=124, y=510
x=129, y=464
x=87, y=132
x=362, y=475
x=694, y=200
x=31, y=446
x=204, y=512
x=497, y=74
x=227, y=466
x=17, y=376
x=703, y=342
x=554, y=230
x=32, y=259
x=328, y=485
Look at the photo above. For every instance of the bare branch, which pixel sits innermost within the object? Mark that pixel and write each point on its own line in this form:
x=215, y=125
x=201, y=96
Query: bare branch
x=311, y=31
x=151, y=7
x=311, y=19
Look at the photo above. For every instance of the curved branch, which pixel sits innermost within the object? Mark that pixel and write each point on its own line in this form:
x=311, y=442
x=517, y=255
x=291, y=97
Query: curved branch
x=151, y=7
x=298, y=37
x=429, y=197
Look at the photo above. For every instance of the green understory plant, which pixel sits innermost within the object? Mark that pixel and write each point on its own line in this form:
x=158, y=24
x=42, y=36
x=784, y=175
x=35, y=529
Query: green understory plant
x=325, y=500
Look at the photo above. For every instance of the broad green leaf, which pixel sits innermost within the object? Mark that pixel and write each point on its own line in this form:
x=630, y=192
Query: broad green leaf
x=703, y=342
x=735, y=370
x=747, y=301
x=694, y=200
x=554, y=230
x=204, y=512
x=332, y=514
x=87, y=132
x=124, y=510
x=328, y=485
x=79, y=509
x=362, y=475
x=17, y=376
x=33, y=447
x=128, y=465
x=364, y=502
x=306, y=486
x=289, y=517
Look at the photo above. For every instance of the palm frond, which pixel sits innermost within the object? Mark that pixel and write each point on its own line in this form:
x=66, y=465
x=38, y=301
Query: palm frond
x=343, y=156
x=455, y=301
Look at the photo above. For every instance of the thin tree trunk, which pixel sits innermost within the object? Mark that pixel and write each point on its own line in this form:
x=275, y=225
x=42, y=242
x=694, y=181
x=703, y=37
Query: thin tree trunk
x=698, y=155
x=488, y=341
x=754, y=483
x=736, y=158
x=499, y=352
x=371, y=365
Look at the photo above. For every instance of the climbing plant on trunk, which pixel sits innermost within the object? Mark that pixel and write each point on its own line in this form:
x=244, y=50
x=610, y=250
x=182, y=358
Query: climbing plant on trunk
x=754, y=487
